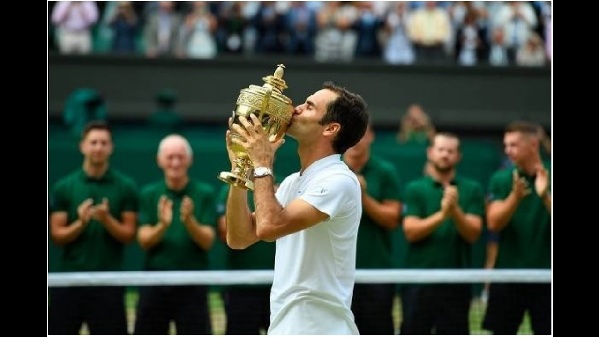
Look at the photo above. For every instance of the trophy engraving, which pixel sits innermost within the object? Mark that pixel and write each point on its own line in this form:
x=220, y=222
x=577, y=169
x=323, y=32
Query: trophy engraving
x=273, y=109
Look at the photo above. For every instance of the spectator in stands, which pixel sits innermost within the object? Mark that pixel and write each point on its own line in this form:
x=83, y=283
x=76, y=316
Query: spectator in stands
x=93, y=217
x=161, y=31
x=52, y=43
x=269, y=27
x=518, y=20
x=443, y=217
x=457, y=11
x=398, y=48
x=548, y=31
x=372, y=304
x=165, y=117
x=415, y=127
x=125, y=27
x=198, y=32
x=73, y=21
x=429, y=30
x=247, y=307
x=300, y=23
x=498, y=55
x=532, y=53
x=177, y=229
x=520, y=211
x=232, y=23
x=368, y=26
x=313, y=216
x=335, y=40
x=471, y=44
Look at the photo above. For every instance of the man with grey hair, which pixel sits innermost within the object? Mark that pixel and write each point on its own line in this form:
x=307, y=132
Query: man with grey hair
x=177, y=229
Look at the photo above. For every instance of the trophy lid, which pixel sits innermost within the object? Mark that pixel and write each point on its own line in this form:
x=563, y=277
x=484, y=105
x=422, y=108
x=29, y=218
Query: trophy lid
x=276, y=81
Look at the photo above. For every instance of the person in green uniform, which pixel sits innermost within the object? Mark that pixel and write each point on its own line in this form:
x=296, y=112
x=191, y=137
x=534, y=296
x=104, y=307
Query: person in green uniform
x=520, y=211
x=177, y=229
x=372, y=304
x=443, y=217
x=93, y=216
x=165, y=117
x=247, y=307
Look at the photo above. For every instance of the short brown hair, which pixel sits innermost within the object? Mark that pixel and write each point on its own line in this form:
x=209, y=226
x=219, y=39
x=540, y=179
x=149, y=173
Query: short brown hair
x=446, y=134
x=527, y=128
x=351, y=111
x=95, y=125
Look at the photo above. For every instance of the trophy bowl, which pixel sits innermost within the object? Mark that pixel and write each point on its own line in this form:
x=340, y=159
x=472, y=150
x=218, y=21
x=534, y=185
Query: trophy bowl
x=273, y=109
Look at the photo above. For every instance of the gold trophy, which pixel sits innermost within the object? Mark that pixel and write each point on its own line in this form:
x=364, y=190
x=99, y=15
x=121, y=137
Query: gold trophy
x=273, y=109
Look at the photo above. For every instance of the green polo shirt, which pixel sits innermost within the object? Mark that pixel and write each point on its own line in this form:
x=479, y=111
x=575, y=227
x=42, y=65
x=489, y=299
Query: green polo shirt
x=444, y=247
x=374, y=247
x=177, y=250
x=525, y=242
x=95, y=249
x=259, y=256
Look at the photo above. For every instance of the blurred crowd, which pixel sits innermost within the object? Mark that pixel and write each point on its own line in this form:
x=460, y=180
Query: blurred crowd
x=467, y=33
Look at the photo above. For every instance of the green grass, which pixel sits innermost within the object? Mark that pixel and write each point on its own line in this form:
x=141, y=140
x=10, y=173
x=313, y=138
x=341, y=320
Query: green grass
x=477, y=311
x=217, y=311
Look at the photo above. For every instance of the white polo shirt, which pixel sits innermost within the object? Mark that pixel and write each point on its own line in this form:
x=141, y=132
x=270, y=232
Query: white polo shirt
x=315, y=268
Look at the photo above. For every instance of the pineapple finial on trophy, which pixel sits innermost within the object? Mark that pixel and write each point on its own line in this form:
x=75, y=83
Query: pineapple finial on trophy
x=276, y=81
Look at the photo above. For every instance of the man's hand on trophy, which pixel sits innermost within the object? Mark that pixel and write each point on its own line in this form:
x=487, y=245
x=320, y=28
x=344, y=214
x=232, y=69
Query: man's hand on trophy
x=229, y=142
x=255, y=141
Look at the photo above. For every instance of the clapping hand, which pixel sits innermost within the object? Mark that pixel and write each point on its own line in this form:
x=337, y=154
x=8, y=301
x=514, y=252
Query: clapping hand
x=519, y=185
x=165, y=211
x=186, y=210
x=541, y=180
x=449, y=202
x=450, y=197
x=101, y=212
x=85, y=210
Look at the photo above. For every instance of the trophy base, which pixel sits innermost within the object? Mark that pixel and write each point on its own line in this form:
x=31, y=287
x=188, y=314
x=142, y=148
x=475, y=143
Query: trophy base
x=235, y=180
